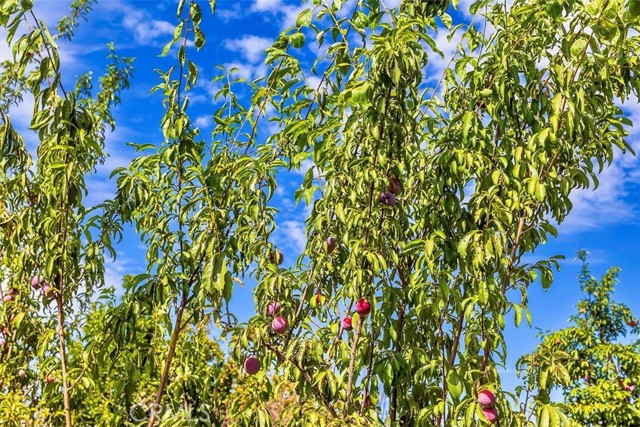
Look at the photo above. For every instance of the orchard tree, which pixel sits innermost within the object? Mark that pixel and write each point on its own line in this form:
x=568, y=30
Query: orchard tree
x=603, y=373
x=51, y=245
x=433, y=195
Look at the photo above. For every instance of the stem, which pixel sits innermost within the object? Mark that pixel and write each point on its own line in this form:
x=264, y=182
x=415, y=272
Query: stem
x=167, y=364
x=456, y=341
x=394, y=391
x=177, y=328
x=352, y=365
x=512, y=257
x=399, y=328
x=63, y=358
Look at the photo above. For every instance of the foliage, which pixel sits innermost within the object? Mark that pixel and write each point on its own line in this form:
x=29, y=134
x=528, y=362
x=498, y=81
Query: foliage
x=601, y=384
x=480, y=165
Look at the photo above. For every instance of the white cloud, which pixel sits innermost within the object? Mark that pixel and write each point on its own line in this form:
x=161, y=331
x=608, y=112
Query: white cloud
x=228, y=14
x=305, y=166
x=291, y=234
x=245, y=71
x=210, y=87
x=115, y=271
x=99, y=190
x=251, y=47
x=145, y=29
x=606, y=205
x=266, y=5
x=277, y=7
x=313, y=82
x=610, y=203
x=203, y=121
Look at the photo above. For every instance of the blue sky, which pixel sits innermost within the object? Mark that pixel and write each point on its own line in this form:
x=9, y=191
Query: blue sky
x=604, y=221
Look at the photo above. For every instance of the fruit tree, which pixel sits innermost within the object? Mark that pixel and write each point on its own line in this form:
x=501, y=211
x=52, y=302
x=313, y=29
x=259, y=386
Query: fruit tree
x=424, y=195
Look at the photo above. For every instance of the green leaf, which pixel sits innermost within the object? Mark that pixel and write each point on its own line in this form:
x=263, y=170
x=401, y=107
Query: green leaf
x=543, y=417
x=467, y=122
x=304, y=19
x=456, y=386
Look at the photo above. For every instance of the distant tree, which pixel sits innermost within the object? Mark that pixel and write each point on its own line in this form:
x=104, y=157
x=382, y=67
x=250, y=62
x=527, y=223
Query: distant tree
x=604, y=374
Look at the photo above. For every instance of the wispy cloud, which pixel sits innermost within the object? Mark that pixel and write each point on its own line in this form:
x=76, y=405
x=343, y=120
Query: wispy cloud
x=251, y=47
x=245, y=70
x=288, y=13
x=291, y=234
x=115, y=271
x=203, y=121
x=227, y=15
x=266, y=5
x=604, y=206
x=145, y=29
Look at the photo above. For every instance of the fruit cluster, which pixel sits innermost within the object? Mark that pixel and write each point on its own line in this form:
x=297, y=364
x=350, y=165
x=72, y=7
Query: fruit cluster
x=39, y=283
x=487, y=401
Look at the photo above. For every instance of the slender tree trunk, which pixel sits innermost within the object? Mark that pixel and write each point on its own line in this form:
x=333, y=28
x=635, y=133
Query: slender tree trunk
x=352, y=364
x=63, y=359
x=167, y=364
x=394, y=391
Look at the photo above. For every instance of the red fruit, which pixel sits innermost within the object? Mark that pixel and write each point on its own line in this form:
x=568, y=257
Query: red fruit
x=633, y=323
x=47, y=291
x=276, y=256
x=486, y=399
x=491, y=414
x=273, y=308
x=367, y=400
x=388, y=199
x=8, y=297
x=50, y=379
x=363, y=307
x=629, y=388
x=347, y=323
x=252, y=365
x=279, y=325
x=37, y=282
x=395, y=186
x=331, y=244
